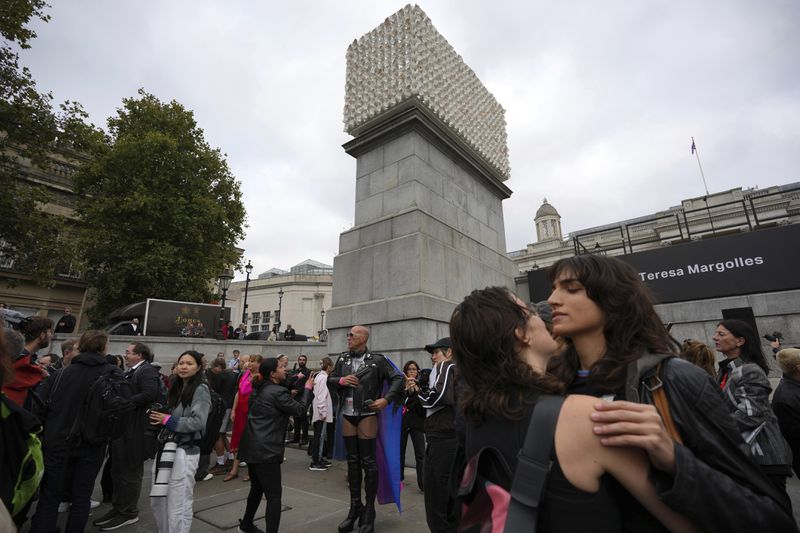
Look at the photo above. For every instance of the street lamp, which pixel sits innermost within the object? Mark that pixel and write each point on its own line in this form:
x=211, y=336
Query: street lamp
x=224, y=280
x=280, y=307
x=248, y=268
x=321, y=320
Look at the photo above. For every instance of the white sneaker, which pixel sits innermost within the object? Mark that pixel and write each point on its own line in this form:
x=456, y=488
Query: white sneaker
x=94, y=504
x=242, y=463
x=63, y=507
x=208, y=476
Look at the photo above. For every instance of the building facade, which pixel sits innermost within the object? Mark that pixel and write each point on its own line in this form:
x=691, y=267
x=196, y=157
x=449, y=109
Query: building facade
x=67, y=288
x=300, y=296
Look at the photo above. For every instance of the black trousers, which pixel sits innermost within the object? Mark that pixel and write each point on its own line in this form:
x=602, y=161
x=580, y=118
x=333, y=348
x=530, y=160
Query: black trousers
x=301, y=428
x=265, y=481
x=440, y=508
x=85, y=464
x=318, y=441
x=418, y=441
x=127, y=479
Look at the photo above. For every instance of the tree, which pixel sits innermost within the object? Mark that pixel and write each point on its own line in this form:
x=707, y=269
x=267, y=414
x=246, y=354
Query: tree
x=160, y=210
x=30, y=133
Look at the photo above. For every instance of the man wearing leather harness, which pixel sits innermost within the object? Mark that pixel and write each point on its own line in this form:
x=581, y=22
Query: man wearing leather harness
x=359, y=377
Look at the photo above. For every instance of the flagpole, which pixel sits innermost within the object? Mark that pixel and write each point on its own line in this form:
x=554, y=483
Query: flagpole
x=696, y=153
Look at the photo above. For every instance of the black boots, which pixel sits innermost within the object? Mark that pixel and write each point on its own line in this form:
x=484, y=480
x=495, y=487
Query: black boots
x=354, y=482
x=349, y=523
x=366, y=448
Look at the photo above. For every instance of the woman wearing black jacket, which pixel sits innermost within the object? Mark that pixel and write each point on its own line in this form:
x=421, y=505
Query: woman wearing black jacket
x=413, y=424
x=263, y=445
x=617, y=348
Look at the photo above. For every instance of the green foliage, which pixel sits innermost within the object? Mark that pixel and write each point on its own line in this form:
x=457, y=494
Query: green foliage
x=30, y=133
x=161, y=212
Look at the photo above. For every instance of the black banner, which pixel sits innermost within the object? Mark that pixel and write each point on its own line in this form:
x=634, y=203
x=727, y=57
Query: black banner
x=168, y=318
x=765, y=260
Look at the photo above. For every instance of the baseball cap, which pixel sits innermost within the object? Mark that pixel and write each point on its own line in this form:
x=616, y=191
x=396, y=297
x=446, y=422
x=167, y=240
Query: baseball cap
x=441, y=343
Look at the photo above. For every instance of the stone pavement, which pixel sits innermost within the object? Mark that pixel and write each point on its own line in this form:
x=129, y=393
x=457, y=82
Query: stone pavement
x=313, y=501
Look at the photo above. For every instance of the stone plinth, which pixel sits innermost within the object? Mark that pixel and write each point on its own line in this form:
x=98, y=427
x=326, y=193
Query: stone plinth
x=428, y=230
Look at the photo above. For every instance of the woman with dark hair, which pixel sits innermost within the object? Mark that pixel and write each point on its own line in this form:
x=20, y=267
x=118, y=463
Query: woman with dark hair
x=744, y=383
x=241, y=403
x=617, y=347
x=263, y=444
x=501, y=349
x=188, y=402
x=413, y=424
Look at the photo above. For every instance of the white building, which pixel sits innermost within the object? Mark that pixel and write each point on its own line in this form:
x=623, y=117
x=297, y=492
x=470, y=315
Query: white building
x=723, y=213
x=300, y=297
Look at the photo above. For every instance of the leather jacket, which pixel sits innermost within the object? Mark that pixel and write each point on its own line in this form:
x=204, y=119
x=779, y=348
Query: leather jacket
x=716, y=483
x=270, y=407
x=375, y=370
x=747, y=389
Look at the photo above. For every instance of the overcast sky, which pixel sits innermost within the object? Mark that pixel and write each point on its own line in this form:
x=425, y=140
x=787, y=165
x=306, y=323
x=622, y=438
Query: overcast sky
x=601, y=98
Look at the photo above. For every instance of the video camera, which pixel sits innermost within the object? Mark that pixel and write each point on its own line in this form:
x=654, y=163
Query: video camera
x=774, y=336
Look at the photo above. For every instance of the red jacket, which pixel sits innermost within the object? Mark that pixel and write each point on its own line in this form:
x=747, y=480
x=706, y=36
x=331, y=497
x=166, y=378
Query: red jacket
x=26, y=376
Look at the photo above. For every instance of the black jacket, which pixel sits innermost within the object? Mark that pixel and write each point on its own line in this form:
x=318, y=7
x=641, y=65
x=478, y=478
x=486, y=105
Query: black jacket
x=145, y=384
x=440, y=401
x=716, y=484
x=268, y=415
x=372, y=374
x=786, y=405
x=64, y=396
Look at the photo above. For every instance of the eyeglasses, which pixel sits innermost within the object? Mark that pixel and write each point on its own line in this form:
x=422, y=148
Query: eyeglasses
x=350, y=335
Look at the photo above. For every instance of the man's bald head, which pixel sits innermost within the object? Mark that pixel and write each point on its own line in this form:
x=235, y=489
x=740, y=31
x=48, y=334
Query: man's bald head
x=357, y=339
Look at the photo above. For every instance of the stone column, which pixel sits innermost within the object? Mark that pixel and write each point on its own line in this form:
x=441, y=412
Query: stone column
x=428, y=216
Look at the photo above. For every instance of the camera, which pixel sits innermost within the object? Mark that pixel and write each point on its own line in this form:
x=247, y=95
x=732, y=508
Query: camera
x=774, y=336
x=164, y=463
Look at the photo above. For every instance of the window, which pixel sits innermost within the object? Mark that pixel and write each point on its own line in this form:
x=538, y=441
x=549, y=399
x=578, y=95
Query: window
x=277, y=316
x=265, y=327
x=267, y=316
x=256, y=317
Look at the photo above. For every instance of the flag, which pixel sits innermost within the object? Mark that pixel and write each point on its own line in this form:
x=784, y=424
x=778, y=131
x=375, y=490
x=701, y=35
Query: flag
x=693, y=146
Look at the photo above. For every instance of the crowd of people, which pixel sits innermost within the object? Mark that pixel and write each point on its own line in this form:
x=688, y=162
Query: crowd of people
x=640, y=432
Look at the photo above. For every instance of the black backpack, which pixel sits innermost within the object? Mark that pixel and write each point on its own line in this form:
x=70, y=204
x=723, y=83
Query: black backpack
x=215, y=415
x=106, y=411
x=490, y=499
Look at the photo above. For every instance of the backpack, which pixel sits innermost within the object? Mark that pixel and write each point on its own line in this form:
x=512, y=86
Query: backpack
x=494, y=501
x=215, y=415
x=106, y=411
x=22, y=449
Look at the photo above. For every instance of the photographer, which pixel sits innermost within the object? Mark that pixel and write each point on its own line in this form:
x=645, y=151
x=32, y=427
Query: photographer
x=775, y=338
x=413, y=423
x=188, y=403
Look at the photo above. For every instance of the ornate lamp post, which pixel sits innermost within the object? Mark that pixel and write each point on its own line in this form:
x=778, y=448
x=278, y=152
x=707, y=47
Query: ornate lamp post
x=280, y=307
x=224, y=280
x=248, y=268
x=321, y=320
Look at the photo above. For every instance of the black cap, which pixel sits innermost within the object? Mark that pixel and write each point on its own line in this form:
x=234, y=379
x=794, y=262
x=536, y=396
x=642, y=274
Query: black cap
x=441, y=343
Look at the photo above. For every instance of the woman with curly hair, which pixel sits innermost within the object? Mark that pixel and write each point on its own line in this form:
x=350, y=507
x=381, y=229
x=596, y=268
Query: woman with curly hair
x=699, y=355
x=617, y=347
x=501, y=350
x=744, y=383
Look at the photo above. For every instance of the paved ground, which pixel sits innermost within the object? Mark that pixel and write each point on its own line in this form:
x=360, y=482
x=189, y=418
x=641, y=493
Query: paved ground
x=313, y=501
